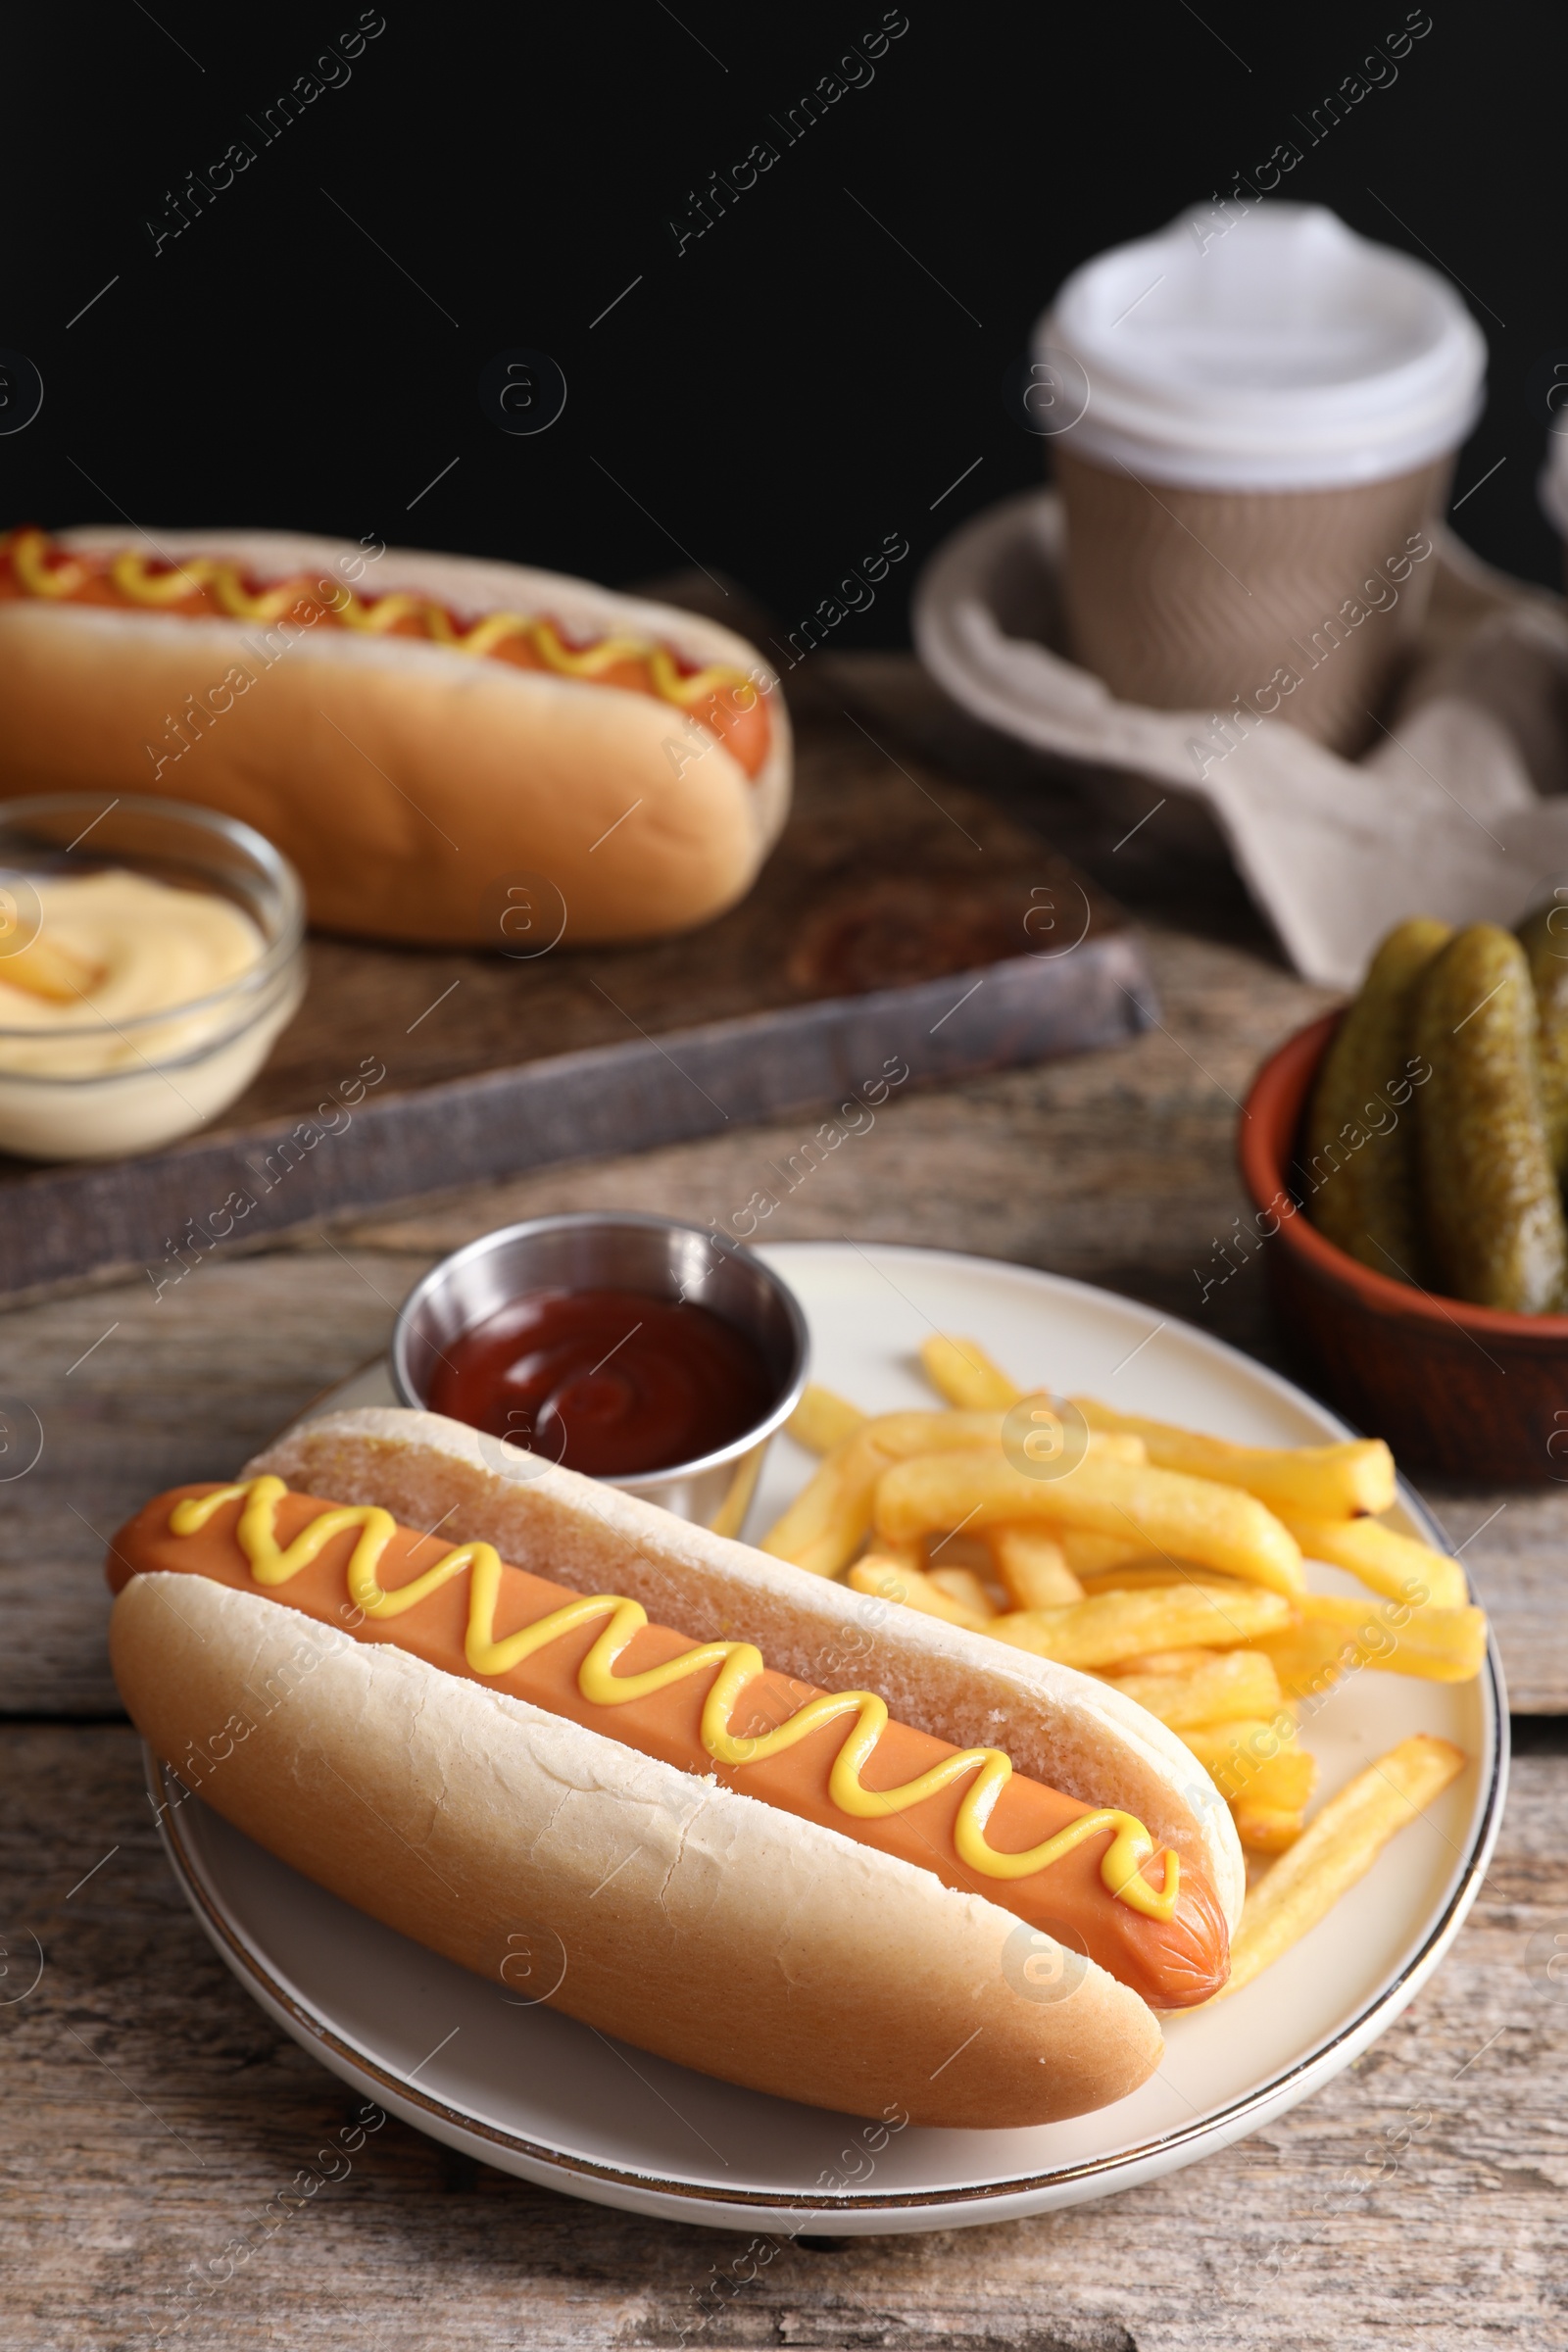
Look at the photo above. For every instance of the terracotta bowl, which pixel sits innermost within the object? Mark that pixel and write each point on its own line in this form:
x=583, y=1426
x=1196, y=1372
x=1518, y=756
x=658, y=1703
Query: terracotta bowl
x=1469, y=1390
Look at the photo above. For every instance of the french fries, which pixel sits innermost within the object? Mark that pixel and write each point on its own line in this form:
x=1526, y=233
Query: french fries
x=821, y=1420
x=1234, y=1754
x=1331, y=1482
x=1194, y=1518
x=1089, y=1552
x=1394, y=1565
x=826, y=1523
x=1143, y=1574
x=1337, y=1849
x=1167, y=1661
x=889, y=1579
x=1229, y=1688
x=1168, y=1564
x=1032, y=1566
x=1270, y=1812
x=1335, y=1636
x=964, y=1587
x=829, y=1519
x=904, y=1556
x=961, y=1371
x=1095, y=1634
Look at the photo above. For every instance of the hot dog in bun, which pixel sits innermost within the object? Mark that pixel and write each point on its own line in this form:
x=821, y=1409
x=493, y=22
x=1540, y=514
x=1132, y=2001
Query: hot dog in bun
x=845, y=1862
x=411, y=730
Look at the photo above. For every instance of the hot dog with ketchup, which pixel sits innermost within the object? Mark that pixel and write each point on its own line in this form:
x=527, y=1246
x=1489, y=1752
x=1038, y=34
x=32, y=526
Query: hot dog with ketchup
x=411, y=729
x=813, y=1896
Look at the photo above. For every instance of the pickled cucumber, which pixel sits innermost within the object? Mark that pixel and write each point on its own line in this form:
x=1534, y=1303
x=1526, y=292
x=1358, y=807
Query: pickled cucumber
x=1492, y=1210
x=1360, y=1134
x=1544, y=936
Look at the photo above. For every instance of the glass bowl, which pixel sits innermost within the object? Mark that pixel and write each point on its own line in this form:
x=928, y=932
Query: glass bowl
x=172, y=1070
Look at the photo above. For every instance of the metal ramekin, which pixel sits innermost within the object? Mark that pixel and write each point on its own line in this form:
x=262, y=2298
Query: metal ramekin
x=619, y=1250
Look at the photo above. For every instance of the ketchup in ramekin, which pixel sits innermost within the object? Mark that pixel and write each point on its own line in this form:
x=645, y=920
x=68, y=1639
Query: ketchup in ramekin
x=609, y=1381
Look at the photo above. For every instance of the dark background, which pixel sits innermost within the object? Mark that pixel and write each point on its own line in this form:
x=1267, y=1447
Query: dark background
x=794, y=385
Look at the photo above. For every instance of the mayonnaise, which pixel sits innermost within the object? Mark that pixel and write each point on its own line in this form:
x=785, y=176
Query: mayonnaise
x=112, y=948
x=88, y=1069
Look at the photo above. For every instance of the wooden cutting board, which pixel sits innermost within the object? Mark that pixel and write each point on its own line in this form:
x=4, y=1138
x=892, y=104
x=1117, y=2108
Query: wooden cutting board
x=903, y=932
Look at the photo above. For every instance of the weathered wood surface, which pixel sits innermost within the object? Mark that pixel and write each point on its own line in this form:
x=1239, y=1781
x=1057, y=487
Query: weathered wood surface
x=152, y=2112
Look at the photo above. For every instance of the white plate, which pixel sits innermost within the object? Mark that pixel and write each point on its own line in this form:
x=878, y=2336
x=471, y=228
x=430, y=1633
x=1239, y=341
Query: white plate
x=539, y=2095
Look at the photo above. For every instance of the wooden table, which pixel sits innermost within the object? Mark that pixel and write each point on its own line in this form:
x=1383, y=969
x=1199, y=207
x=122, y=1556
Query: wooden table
x=152, y=2112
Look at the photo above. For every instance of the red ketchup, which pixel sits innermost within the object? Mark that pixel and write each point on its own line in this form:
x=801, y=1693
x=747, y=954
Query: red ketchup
x=611, y=1383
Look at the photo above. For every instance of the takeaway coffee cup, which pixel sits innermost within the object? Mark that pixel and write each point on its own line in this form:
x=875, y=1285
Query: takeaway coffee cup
x=1270, y=406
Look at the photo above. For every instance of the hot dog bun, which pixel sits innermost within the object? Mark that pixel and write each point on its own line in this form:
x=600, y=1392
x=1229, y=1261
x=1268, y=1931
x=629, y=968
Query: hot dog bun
x=733, y=1937
x=408, y=781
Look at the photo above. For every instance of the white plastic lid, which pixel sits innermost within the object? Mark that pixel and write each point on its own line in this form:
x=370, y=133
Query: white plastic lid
x=1282, y=351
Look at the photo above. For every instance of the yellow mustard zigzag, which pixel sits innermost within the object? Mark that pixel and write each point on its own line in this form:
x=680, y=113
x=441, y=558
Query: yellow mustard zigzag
x=738, y=1664
x=132, y=574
